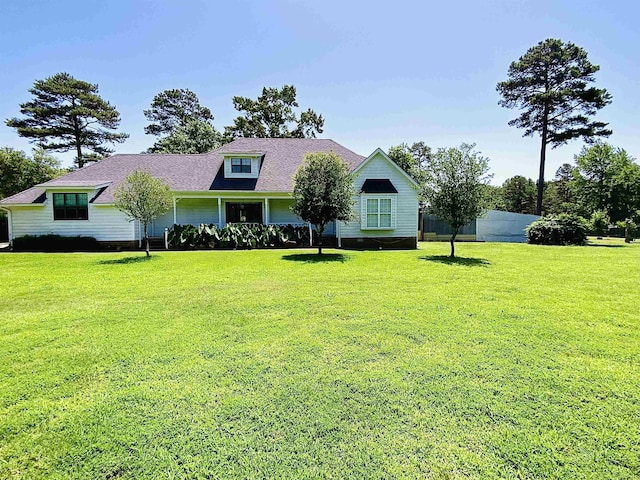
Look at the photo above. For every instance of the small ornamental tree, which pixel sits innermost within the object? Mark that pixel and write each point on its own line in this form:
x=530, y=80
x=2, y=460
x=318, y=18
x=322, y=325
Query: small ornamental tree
x=323, y=191
x=456, y=186
x=143, y=198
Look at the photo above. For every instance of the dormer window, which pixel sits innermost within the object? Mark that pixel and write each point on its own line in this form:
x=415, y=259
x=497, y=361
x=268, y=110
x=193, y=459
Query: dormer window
x=240, y=165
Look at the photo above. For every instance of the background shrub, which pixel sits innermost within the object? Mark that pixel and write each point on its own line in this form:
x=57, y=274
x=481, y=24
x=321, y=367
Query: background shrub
x=563, y=229
x=54, y=243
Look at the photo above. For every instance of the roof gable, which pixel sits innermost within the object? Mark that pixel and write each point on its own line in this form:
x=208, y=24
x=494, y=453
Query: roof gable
x=379, y=152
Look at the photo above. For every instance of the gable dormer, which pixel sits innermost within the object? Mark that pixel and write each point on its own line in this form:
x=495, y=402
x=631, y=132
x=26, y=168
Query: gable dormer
x=242, y=165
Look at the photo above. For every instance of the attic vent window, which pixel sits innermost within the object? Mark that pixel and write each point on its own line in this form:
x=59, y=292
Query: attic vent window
x=240, y=165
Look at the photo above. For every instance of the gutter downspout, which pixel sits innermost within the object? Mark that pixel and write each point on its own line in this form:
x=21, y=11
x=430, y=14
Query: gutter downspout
x=339, y=228
x=9, y=225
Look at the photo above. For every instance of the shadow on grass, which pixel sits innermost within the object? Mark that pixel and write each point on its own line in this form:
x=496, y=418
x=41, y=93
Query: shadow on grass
x=128, y=260
x=315, y=258
x=603, y=245
x=467, y=262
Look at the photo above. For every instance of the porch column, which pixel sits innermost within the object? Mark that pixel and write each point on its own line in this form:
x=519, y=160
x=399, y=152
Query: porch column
x=310, y=235
x=266, y=211
x=175, y=211
x=220, y=212
x=9, y=225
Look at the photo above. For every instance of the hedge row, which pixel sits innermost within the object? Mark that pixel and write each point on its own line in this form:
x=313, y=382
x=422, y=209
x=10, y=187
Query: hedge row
x=238, y=236
x=55, y=243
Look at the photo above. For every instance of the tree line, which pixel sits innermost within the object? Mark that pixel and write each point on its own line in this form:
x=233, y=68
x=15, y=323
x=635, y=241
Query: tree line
x=67, y=114
x=551, y=85
x=602, y=185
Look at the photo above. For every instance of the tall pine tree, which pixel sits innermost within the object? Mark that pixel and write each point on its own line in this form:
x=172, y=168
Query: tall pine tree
x=549, y=84
x=68, y=114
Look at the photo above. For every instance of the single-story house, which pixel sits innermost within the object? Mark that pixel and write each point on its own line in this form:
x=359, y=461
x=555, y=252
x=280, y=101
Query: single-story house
x=249, y=180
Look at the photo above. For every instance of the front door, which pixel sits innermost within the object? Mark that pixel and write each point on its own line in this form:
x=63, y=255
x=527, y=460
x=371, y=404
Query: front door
x=244, y=212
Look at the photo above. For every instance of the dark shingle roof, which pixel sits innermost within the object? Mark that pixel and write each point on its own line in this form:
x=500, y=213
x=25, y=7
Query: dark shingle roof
x=282, y=156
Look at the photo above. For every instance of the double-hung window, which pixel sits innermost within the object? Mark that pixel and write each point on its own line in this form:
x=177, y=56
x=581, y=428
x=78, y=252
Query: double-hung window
x=378, y=213
x=70, y=206
x=240, y=165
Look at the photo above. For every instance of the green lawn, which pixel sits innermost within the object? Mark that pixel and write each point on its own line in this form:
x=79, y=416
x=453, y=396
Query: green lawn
x=518, y=361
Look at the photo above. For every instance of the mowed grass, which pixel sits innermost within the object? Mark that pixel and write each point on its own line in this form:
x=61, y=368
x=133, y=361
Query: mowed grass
x=516, y=361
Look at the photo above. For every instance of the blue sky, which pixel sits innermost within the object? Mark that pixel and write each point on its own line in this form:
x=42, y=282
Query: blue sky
x=381, y=73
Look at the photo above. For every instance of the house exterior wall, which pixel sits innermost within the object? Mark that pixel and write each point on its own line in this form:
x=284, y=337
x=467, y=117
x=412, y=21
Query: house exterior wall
x=105, y=223
x=189, y=211
x=497, y=226
x=280, y=211
x=405, y=204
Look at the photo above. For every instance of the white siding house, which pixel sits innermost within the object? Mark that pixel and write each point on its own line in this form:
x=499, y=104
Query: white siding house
x=249, y=180
x=398, y=227
x=105, y=223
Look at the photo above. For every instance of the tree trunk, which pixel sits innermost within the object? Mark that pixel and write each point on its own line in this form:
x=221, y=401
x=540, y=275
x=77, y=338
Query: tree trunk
x=543, y=159
x=628, y=238
x=146, y=241
x=453, y=239
x=319, y=229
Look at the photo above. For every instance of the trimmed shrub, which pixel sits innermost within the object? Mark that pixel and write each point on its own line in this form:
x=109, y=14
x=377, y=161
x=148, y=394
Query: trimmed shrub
x=563, y=229
x=237, y=236
x=54, y=243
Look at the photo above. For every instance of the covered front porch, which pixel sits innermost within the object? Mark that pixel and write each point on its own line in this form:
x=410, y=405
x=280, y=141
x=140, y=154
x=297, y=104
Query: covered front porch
x=222, y=210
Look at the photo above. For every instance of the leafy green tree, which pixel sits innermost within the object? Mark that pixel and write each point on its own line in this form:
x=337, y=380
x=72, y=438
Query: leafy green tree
x=519, y=194
x=18, y=171
x=272, y=115
x=607, y=179
x=68, y=114
x=455, y=186
x=599, y=223
x=175, y=108
x=558, y=194
x=549, y=84
x=412, y=159
x=143, y=197
x=194, y=137
x=323, y=191
x=495, y=198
